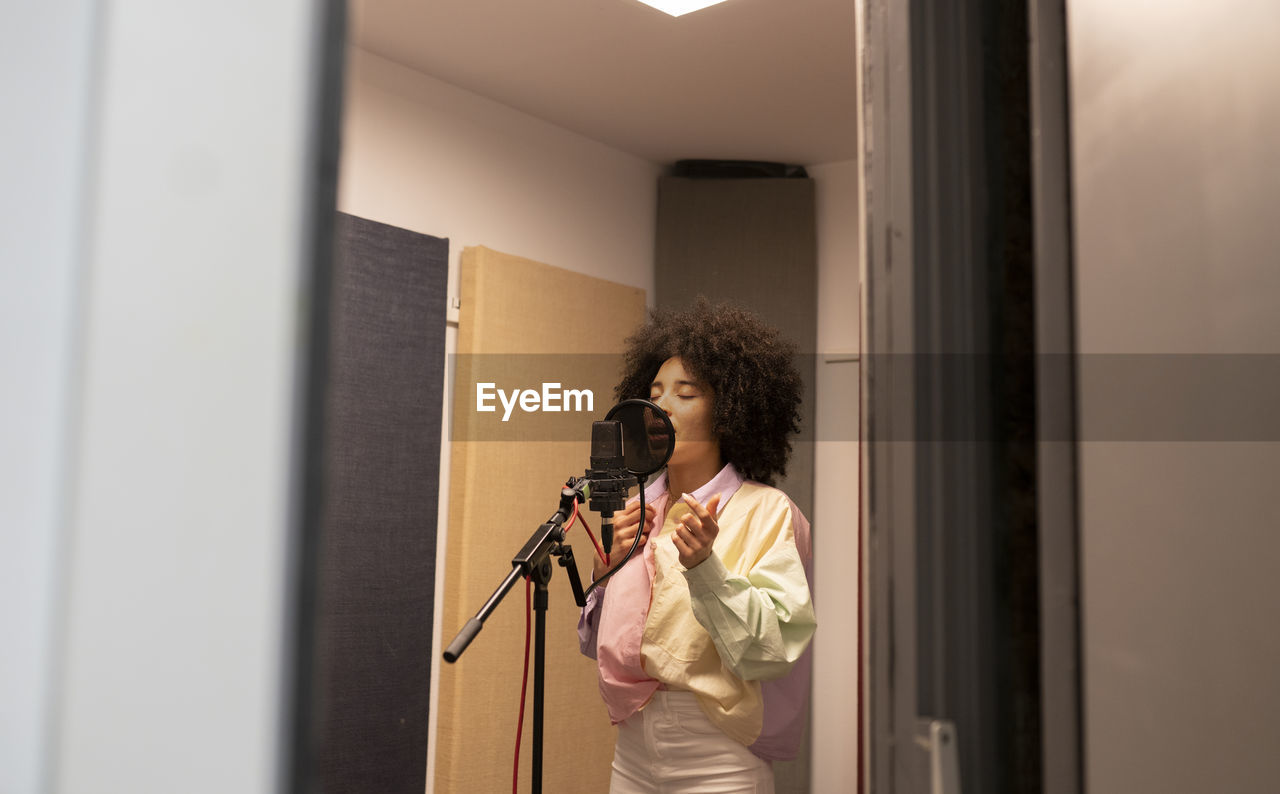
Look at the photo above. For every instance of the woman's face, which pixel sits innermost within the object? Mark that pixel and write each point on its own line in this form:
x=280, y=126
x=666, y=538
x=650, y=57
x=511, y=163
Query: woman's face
x=690, y=404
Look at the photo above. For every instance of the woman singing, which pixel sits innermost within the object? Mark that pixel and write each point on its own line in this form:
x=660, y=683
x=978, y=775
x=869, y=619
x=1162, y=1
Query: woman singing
x=700, y=638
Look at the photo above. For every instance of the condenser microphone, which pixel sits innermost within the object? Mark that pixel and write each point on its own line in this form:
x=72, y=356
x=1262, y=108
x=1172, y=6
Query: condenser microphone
x=610, y=480
x=633, y=442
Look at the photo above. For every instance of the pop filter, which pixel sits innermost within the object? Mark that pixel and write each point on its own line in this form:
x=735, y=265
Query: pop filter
x=648, y=437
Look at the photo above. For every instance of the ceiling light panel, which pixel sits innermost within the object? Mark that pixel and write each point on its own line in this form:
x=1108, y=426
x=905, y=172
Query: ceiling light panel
x=678, y=8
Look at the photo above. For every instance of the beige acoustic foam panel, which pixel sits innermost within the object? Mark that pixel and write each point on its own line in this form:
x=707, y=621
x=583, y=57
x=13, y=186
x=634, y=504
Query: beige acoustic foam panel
x=521, y=324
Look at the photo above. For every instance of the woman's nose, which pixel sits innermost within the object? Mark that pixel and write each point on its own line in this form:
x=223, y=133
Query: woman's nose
x=661, y=401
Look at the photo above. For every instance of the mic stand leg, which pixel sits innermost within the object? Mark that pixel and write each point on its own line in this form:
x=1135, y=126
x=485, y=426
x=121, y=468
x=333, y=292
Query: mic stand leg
x=541, y=578
x=535, y=559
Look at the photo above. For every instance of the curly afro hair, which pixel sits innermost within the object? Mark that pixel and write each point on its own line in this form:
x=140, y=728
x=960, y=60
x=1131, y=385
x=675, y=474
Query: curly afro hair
x=749, y=367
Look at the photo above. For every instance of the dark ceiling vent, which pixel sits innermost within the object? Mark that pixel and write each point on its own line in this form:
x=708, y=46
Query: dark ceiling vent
x=736, y=169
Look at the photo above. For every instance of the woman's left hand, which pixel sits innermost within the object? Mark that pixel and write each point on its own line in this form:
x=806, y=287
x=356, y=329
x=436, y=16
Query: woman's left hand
x=696, y=531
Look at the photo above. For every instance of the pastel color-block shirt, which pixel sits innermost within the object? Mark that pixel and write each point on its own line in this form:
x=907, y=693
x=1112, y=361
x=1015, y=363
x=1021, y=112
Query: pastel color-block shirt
x=734, y=630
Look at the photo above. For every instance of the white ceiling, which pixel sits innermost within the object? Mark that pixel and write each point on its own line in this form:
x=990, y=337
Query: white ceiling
x=744, y=80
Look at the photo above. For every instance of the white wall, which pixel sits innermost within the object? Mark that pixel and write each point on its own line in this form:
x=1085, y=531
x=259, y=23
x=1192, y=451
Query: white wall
x=1175, y=117
x=424, y=155
x=835, y=718
x=43, y=175
x=155, y=193
x=421, y=154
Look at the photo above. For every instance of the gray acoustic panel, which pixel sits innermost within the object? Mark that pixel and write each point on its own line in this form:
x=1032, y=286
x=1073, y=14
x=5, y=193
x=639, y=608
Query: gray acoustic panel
x=378, y=547
x=751, y=242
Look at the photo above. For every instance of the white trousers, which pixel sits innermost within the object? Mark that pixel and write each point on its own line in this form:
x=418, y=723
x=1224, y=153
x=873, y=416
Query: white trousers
x=670, y=747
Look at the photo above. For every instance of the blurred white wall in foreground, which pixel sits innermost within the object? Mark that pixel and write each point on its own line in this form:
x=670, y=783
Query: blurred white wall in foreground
x=156, y=181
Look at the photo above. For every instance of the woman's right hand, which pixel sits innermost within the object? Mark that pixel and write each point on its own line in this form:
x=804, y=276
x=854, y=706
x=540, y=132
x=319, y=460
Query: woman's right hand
x=625, y=526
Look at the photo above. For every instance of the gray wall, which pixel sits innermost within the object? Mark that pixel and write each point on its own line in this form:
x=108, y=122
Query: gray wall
x=1176, y=118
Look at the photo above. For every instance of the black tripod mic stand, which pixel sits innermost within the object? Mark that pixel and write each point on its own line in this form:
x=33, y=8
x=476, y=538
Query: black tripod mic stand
x=624, y=452
x=534, y=561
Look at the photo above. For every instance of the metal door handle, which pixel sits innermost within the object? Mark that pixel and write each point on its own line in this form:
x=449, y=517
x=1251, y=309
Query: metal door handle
x=938, y=739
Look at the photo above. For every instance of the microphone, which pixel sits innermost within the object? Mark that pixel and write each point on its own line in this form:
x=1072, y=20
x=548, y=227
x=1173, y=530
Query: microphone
x=610, y=479
x=635, y=439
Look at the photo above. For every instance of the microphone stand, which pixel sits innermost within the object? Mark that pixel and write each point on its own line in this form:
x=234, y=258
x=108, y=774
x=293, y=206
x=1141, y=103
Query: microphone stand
x=534, y=561
x=610, y=476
